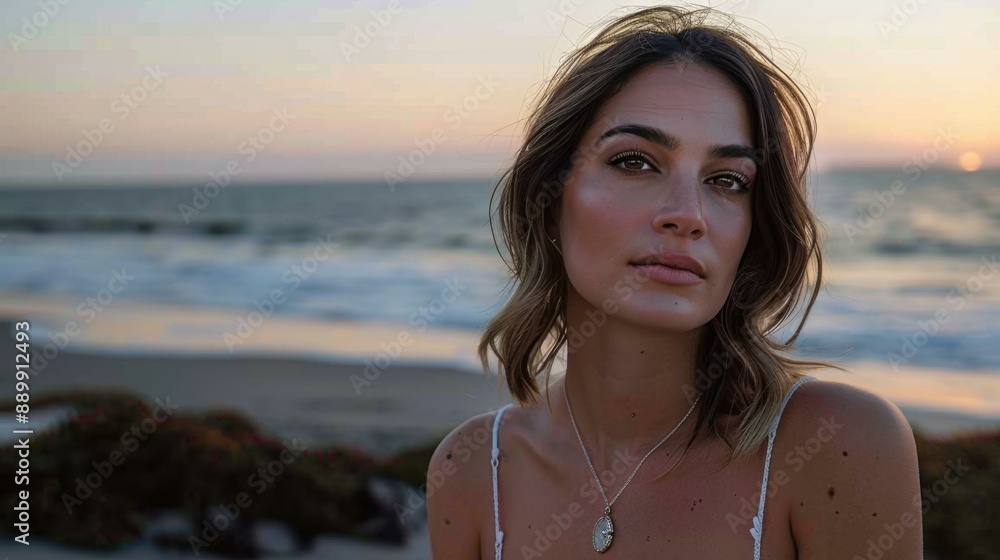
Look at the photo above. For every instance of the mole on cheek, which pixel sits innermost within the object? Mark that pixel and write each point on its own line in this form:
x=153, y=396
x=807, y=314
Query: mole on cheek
x=831, y=492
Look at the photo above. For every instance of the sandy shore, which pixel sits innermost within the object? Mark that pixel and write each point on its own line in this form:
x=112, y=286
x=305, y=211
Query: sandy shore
x=294, y=377
x=407, y=404
x=313, y=401
x=297, y=373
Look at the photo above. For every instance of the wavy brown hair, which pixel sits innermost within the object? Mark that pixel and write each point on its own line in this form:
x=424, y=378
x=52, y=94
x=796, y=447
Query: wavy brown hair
x=741, y=368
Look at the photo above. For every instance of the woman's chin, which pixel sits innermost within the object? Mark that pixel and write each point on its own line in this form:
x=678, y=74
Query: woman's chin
x=675, y=315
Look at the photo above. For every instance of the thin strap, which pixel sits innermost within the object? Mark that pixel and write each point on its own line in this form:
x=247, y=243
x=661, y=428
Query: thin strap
x=758, y=520
x=495, y=461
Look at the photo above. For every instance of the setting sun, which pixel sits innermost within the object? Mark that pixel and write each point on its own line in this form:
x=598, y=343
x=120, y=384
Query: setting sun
x=970, y=161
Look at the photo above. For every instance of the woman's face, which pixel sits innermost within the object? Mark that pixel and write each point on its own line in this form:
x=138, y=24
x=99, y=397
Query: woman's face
x=663, y=169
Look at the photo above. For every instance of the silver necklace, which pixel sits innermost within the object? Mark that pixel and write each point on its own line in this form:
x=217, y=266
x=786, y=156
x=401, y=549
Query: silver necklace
x=604, y=529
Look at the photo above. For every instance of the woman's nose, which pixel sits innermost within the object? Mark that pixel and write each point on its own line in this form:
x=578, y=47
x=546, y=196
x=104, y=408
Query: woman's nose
x=681, y=210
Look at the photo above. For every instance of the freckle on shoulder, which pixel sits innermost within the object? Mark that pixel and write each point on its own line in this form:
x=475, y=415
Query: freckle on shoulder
x=864, y=418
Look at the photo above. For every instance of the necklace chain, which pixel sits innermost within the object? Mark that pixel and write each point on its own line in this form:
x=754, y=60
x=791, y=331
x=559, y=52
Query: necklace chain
x=600, y=487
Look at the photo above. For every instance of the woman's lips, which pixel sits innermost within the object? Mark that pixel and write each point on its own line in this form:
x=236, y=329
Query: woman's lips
x=668, y=275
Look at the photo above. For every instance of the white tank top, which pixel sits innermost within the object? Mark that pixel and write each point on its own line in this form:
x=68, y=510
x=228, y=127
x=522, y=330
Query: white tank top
x=758, y=520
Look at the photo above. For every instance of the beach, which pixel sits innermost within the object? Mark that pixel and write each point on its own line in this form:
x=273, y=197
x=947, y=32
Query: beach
x=294, y=378
x=310, y=375
x=290, y=391
x=349, y=316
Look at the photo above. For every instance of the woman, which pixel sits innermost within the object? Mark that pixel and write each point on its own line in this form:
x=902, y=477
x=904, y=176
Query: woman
x=658, y=227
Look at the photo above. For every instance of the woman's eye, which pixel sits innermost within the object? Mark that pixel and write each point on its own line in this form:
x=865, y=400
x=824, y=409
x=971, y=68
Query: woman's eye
x=634, y=162
x=731, y=180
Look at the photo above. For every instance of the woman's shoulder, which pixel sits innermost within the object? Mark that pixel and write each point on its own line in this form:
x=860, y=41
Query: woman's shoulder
x=845, y=410
x=848, y=458
x=466, y=450
x=459, y=484
x=844, y=418
x=475, y=432
x=460, y=464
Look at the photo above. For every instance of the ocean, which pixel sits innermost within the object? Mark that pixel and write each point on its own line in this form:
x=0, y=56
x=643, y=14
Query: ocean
x=910, y=277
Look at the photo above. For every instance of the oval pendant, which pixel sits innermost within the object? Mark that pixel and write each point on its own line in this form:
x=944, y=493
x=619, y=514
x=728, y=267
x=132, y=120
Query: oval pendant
x=603, y=533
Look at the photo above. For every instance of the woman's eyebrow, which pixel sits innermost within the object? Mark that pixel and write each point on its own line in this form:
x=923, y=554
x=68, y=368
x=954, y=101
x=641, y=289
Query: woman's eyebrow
x=725, y=151
x=671, y=142
x=650, y=133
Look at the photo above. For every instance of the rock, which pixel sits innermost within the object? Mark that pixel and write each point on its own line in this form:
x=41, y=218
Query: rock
x=394, y=516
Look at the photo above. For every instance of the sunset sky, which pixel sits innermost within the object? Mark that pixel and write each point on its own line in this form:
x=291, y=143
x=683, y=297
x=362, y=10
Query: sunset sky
x=890, y=79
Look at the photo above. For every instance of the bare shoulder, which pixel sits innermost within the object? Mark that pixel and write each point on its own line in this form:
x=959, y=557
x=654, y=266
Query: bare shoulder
x=853, y=430
x=459, y=488
x=852, y=473
x=850, y=412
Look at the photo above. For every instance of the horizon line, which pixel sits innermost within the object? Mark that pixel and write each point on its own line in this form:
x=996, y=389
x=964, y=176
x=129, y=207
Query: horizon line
x=125, y=182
